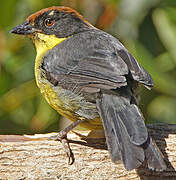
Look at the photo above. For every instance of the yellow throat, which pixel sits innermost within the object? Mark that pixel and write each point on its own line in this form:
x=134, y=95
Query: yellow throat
x=43, y=43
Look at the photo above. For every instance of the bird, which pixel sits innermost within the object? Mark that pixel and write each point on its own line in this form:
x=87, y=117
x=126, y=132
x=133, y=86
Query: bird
x=89, y=77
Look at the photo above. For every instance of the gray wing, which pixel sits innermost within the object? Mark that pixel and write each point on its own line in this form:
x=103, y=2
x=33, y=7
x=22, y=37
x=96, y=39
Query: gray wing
x=138, y=73
x=91, y=60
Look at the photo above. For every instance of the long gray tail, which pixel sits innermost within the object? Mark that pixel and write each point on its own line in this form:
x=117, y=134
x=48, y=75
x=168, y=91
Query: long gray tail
x=126, y=134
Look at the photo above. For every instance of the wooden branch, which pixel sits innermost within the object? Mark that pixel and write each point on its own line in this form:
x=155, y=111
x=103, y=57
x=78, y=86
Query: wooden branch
x=36, y=157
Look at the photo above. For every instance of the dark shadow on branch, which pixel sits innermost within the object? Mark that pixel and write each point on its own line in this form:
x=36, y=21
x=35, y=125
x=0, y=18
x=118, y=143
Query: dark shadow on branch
x=158, y=132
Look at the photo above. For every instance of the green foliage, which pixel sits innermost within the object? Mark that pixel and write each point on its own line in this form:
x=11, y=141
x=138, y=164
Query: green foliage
x=147, y=28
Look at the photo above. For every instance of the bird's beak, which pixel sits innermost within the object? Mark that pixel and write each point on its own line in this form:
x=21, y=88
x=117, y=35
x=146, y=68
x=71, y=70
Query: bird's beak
x=24, y=29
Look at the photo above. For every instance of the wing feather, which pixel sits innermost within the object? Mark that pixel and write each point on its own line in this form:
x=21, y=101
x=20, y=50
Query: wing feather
x=93, y=59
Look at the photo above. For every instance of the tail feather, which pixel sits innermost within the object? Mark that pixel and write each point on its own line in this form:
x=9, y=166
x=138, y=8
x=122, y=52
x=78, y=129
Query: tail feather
x=128, y=151
x=126, y=133
x=154, y=156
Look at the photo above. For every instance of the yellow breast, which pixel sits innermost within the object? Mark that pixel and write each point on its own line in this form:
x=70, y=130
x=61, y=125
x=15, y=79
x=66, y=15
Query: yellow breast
x=43, y=43
x=62, y=105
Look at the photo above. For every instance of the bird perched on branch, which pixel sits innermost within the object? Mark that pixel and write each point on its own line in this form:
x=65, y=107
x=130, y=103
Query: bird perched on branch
x=89, y=77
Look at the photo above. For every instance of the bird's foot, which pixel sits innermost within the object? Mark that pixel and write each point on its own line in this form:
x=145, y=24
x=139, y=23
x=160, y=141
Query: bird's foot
x=65, y=143
x=62, y=137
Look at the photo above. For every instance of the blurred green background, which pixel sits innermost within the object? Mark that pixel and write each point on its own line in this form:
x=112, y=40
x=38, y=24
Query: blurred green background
x=146, y=27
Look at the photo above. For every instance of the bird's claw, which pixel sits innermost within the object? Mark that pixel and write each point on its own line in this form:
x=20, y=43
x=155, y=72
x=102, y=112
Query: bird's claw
x=65, y=143
x=62, y=137
x=71, y=158
x=68, y=151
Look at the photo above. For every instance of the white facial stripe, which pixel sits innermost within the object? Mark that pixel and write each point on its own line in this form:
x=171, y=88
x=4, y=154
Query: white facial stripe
x=51, y=13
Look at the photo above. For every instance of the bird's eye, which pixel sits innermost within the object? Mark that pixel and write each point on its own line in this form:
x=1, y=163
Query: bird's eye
x=49, y=22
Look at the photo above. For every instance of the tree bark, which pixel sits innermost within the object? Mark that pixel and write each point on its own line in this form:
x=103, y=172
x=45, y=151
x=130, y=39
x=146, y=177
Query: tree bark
x=36, y=157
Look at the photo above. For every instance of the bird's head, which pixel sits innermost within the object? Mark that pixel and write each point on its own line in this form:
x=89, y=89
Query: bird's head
x=59, y=21
x=48, y=27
